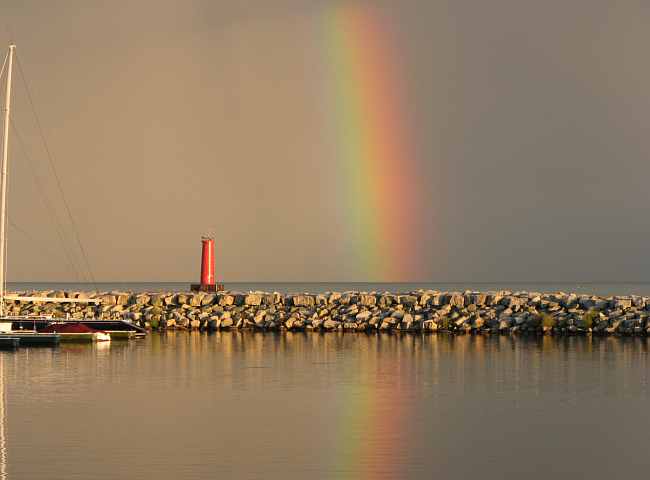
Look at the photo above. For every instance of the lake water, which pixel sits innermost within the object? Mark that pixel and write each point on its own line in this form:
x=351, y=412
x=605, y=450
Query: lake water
x=597, y=288
x=247, y=405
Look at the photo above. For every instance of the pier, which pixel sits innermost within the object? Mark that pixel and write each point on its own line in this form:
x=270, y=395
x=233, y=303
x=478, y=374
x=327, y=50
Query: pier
x=422, y=311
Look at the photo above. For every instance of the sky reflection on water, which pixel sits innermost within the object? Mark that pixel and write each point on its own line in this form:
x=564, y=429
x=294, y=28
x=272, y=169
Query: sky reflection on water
x=348, y=406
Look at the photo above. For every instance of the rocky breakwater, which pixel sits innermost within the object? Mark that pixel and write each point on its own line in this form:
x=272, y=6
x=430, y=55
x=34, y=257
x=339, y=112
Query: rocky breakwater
x=502, y=312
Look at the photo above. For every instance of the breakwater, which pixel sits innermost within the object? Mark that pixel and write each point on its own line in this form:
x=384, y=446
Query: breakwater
x=418, y=311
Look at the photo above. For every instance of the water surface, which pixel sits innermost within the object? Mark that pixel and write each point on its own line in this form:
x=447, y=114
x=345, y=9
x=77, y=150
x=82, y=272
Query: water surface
x=590, y=288
x=327, y=406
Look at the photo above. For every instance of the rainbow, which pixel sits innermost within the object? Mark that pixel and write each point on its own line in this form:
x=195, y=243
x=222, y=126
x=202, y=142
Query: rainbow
x=376, y=163
x=374, y=427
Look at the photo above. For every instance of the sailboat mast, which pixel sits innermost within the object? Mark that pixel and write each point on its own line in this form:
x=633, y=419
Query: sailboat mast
x=3, y=180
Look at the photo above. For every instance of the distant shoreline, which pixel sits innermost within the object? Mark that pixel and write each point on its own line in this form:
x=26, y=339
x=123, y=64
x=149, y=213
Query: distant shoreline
x=469, y=312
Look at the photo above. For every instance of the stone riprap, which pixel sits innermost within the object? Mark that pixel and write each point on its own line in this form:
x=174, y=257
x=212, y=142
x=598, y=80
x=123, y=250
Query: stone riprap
x=417, y=311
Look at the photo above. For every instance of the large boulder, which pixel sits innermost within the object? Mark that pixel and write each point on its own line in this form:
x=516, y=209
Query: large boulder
x=260, y=319
x=108, y=299
x=367, y=300
x=477, y=299
x=429, y=325
x=226, y=322
x=195, y=300
x=408, y=300
x=622, y=302
x=182, y=299
x=330, y=324
x=253, y=299
x=363, y=316
x=386, y=301
x=208, y=299
x=334, y=297
x=456, y=300
x=156, y=299
x=303, y=301
x=585, y=302
x=122, y=298
x=226, y=300
x=142, y=299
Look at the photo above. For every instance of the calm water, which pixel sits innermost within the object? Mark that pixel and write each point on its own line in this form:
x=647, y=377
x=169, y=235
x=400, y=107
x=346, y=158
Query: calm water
x=599, y=288
x=327, y=406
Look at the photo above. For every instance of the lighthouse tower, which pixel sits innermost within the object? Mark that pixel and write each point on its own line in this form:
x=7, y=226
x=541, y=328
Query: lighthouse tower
x=208, y=283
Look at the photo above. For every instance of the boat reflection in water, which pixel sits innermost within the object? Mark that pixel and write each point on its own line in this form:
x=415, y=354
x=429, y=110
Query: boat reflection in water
x=3, y=420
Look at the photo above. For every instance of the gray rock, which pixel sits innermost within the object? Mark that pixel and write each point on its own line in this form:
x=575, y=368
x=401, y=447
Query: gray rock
x=330, y=324
x=367, y=300
x=253, y=299
x=156, y=300
x=386, y=301
x=106, y=299
x=226, y=322
x=430, y=325
x=334, y=297
x=226, y=300
x=622, y=302
x=363, y=316
x=408, y=300
x=303, y=301
x=456, y=300
x=195, y=300
x=208, y=299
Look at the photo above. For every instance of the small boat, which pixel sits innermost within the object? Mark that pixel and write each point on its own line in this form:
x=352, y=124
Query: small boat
x=26, y=337
x=121, y=328
x=76, y=332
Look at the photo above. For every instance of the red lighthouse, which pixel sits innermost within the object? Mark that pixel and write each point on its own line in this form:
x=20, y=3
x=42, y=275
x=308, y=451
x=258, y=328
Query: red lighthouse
x=207, y=268
x=207, y=261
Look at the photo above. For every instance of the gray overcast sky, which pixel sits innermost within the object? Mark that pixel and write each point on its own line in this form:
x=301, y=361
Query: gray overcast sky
x=167, y=119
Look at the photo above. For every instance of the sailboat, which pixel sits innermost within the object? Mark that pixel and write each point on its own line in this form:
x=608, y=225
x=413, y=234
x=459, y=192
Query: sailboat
x=7, y=334
x=37, y=330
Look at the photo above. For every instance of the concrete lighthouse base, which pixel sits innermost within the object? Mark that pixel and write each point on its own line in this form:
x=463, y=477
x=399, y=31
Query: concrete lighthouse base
x=198, y=287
